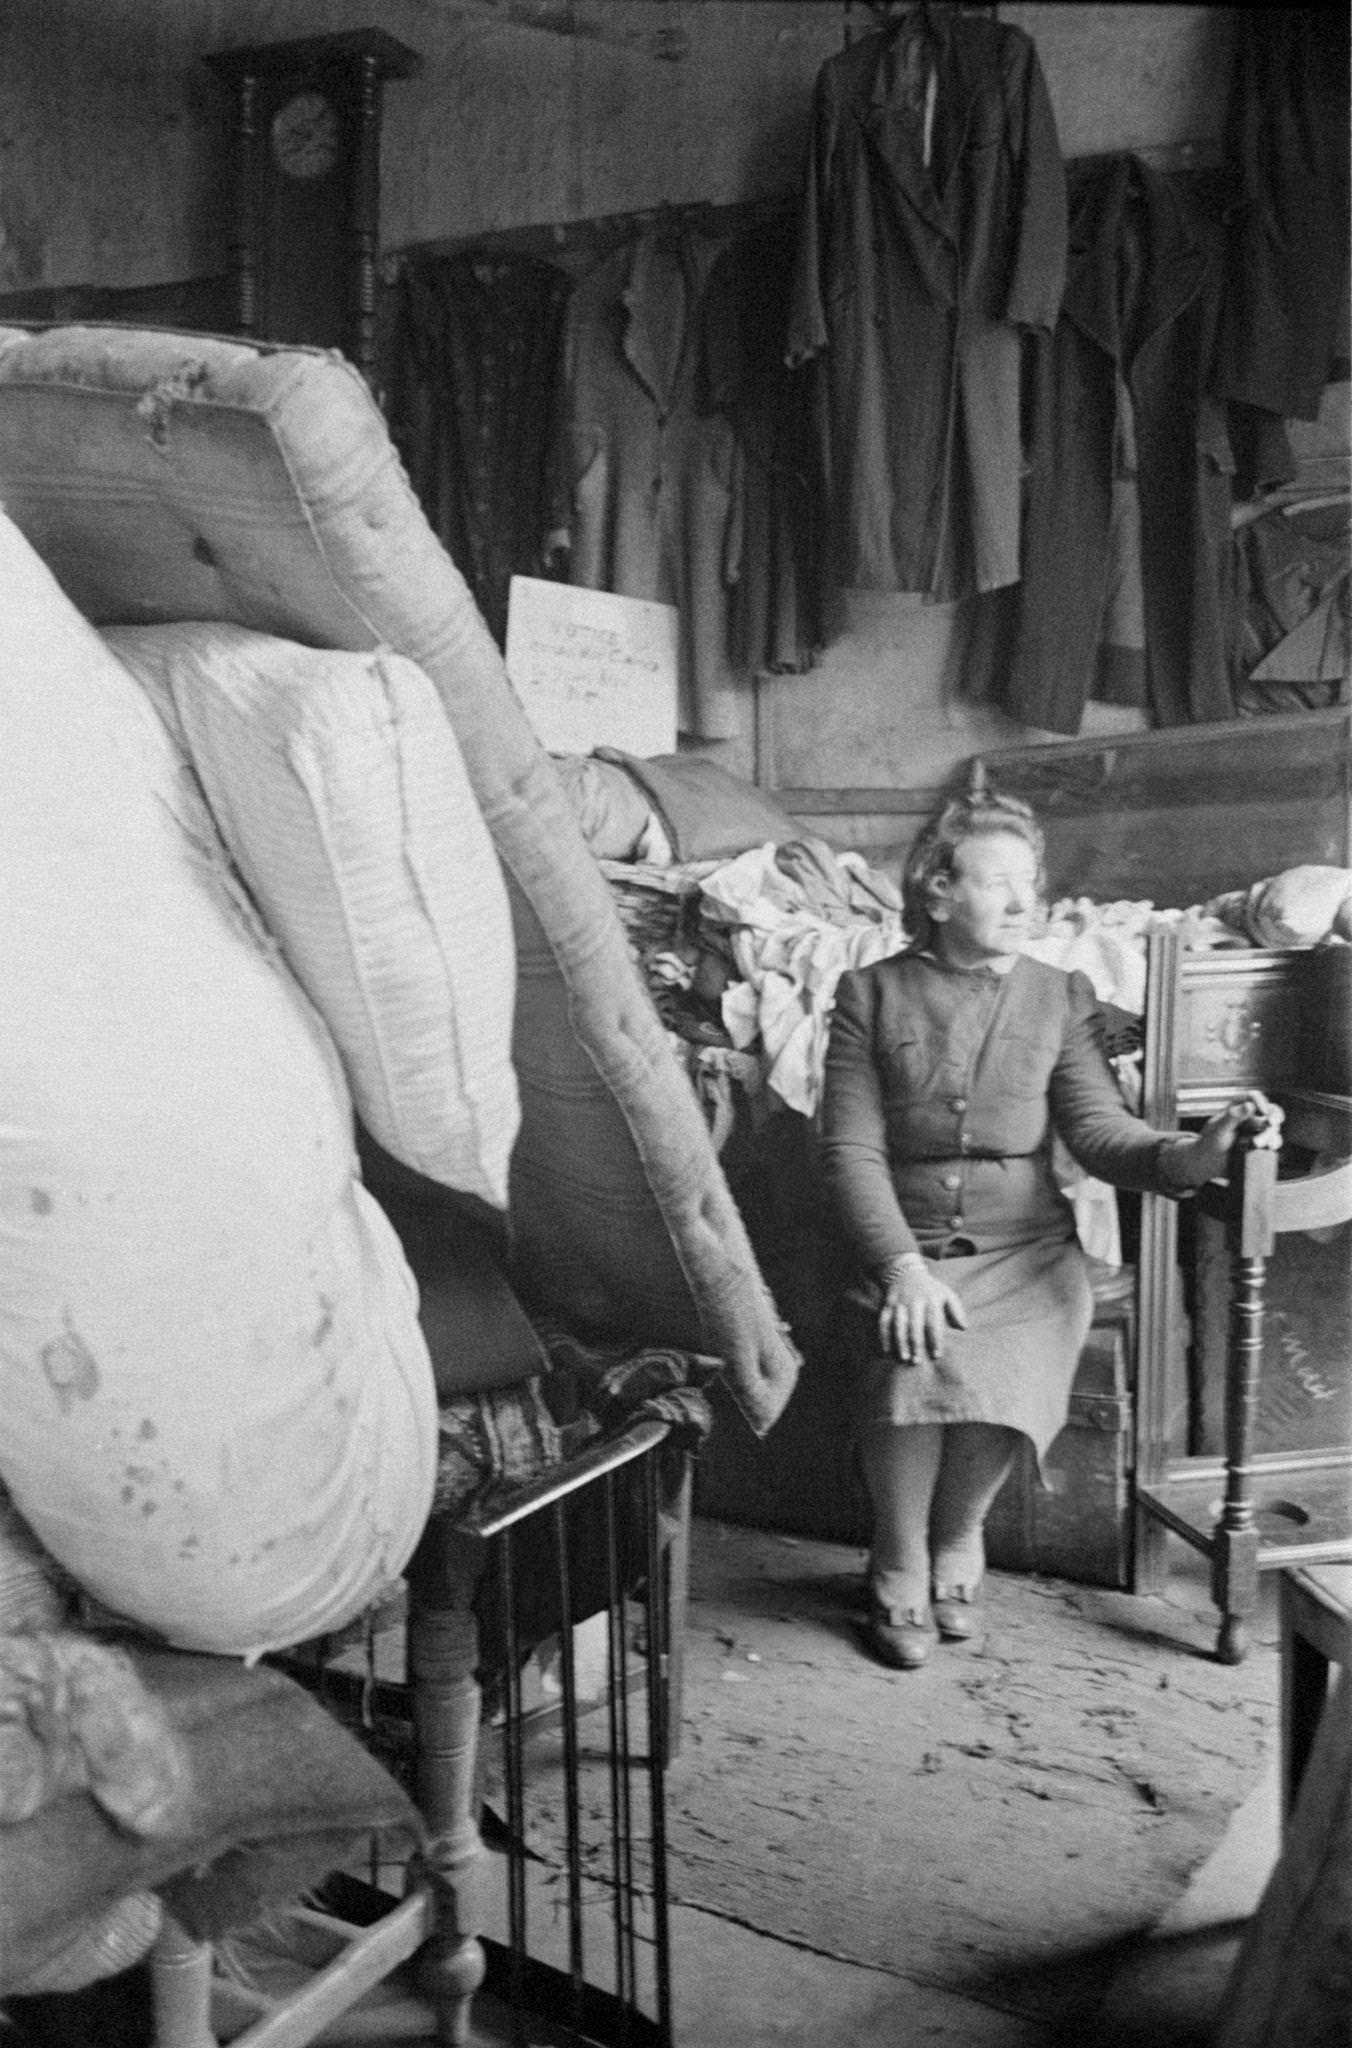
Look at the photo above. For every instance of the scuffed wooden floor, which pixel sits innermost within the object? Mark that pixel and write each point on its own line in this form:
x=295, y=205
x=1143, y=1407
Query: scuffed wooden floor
x=996, y=1824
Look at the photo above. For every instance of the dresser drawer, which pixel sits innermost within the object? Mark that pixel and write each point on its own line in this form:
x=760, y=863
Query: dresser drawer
x=1239, y=1021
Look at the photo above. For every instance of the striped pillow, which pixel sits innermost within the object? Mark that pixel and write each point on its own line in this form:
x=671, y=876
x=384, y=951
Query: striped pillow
x=339, y=789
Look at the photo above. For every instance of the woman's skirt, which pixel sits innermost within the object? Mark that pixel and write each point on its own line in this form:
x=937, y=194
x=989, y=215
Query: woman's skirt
x=1029, y=1309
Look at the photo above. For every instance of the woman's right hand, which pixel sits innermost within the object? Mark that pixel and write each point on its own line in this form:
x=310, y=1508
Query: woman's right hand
x=917, y=1311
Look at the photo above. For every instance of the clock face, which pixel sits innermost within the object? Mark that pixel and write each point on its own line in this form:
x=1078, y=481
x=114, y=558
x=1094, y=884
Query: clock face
x=305, y=136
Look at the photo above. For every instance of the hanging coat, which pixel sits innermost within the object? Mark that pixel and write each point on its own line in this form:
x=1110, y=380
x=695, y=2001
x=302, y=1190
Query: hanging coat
x=776, y=622
x=473, y=404
x=933, y=232
x=1139, y=324
x=654, y=481
x=1285, y=313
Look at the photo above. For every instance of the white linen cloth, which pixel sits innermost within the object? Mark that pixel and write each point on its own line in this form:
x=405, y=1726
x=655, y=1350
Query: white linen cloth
x=790, y=955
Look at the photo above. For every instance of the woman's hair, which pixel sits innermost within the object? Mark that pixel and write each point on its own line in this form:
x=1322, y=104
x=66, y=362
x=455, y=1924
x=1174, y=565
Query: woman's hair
x=934, y=851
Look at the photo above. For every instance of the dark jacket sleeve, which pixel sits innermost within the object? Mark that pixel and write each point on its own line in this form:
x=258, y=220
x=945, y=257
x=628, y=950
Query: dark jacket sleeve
x=1098, y=1129
x=808, y=331
x=854, y=1151
x=1038, y=278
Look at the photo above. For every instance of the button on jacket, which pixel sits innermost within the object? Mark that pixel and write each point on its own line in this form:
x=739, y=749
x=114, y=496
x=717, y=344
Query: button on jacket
x=943, y=1090
x=933, y=232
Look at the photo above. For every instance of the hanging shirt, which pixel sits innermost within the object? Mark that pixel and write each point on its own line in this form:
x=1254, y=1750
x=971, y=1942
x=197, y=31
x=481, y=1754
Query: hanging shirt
x=933, y=232
x=654, y=481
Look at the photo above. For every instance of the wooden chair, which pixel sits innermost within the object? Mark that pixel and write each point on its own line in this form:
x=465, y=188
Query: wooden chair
x=1216, y=1023
x=1306, y=1498
x=434, y=1934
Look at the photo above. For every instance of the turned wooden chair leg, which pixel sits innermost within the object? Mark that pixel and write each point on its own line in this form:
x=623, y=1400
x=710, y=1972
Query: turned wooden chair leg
x=1235, y=1542
x=180, y=1990
x=443, y=1657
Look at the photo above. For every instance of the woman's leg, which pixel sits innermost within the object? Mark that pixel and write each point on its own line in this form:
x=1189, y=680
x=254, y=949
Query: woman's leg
x=900, y=1464
x=975, y=1464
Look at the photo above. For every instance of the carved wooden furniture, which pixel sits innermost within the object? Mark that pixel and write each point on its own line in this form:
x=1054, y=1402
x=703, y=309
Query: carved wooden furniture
x=635, y=1491
x=1315, y=1610
x=305, y=237
x=186, y=1995
x=1289, y=1980
x=1174, y=817
x=1217, y=1022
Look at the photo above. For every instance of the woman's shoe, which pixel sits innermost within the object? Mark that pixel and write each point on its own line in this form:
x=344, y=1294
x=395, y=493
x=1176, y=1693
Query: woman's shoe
x=900, y=1636
x=957, y=1614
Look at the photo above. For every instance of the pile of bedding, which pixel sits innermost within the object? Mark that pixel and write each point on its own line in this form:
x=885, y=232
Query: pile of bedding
x=742, y=953
x=740, y=923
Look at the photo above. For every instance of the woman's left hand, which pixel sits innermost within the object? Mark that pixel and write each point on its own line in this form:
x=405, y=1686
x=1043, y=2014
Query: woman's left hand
x=1202, y=1158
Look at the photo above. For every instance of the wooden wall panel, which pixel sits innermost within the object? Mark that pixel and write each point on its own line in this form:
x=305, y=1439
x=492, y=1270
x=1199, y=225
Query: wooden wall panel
x=1176, y=817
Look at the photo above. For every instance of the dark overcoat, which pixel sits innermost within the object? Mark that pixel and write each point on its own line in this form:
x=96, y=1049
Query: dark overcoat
x=1137, y=331
x=1285, y=318
x=933, y=232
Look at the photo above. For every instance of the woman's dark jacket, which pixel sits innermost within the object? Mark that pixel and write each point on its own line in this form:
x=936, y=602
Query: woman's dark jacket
x=943, y=1089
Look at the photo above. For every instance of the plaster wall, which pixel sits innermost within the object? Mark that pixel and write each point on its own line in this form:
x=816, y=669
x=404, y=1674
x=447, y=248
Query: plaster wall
x=114, y=135
x=114, y=151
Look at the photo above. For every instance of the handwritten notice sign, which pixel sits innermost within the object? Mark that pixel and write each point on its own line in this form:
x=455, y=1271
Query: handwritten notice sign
x=593, y=670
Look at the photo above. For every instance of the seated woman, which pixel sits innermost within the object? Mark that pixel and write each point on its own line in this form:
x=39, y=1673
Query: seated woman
x=948, y=1070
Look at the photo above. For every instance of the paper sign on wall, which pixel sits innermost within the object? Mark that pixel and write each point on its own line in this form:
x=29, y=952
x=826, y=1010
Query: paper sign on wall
x=591, y=669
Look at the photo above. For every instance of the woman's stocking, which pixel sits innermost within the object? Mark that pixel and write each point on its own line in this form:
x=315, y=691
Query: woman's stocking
x=974, y=1466
x=900, y=1465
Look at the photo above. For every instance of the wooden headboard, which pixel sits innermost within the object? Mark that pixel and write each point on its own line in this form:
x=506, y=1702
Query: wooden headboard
x=1177, y=815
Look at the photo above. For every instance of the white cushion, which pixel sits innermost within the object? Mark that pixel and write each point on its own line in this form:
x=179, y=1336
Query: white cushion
x=219, y=1411
x=168, y=476
x=340, y=790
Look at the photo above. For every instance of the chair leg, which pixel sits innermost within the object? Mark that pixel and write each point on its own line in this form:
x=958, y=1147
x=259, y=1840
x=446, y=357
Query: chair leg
x=1234, y=1552
x=443, y=1656
x=180, y=1990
